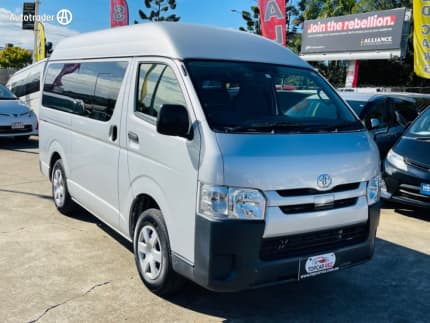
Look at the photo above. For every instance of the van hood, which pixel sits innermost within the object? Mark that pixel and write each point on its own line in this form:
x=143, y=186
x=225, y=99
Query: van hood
x=12, y=107
x=278, y=161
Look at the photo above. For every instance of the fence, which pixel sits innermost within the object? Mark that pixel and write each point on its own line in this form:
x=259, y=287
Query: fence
x=5, y=74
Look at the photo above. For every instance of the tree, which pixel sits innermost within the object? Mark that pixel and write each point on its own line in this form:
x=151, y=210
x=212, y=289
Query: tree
x=15, y=57
x=157, y=9
x=252, y=20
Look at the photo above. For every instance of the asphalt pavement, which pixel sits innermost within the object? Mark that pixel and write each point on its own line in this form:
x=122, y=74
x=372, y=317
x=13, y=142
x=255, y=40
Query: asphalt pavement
x=55, y=268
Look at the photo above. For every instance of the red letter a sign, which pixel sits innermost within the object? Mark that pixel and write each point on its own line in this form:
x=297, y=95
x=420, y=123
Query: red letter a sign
x=273, y=21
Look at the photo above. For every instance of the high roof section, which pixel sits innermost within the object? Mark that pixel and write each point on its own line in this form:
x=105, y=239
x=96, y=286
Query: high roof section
x=175, y=40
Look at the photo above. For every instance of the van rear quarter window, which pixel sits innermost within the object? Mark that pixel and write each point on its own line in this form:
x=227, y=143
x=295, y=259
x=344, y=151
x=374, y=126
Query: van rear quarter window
x=88, y=89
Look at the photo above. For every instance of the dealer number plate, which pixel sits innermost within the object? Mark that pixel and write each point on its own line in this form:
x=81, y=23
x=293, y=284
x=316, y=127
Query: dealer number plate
x=425, y=189
x=317, y=265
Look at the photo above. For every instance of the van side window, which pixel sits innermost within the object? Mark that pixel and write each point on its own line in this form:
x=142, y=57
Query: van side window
x=88, y=89
x=158, y=85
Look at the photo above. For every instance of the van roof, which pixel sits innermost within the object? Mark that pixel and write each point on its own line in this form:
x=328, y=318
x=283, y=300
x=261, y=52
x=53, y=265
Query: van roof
x=175, y=40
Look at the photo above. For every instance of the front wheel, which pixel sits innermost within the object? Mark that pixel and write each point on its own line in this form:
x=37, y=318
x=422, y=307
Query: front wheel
x=152, y=254
x=60, y=192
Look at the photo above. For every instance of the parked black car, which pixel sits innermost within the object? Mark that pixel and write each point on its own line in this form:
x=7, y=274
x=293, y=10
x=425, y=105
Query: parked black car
x=385, y=115
x=407, y=166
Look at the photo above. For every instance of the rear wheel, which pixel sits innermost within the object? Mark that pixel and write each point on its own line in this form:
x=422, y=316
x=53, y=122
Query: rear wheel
x=152, y=254
x=60, y=193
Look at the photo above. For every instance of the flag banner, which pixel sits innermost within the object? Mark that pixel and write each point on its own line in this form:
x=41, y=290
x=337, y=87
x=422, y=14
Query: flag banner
x=39, y=29
x=118, y=13
x=421, y=11
x=273, y=20
x=352, y=74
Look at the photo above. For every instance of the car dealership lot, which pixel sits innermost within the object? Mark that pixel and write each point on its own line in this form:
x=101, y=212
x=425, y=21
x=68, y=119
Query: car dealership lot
x=55, y=268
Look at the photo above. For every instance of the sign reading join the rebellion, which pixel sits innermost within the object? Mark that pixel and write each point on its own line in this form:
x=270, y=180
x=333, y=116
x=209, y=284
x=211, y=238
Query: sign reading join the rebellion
x=372, y=31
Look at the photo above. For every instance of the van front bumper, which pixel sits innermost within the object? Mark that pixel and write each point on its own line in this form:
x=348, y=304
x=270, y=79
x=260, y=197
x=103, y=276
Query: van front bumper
x=228, y=255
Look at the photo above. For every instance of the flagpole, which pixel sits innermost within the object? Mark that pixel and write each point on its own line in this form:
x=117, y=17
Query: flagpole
x=36, y=29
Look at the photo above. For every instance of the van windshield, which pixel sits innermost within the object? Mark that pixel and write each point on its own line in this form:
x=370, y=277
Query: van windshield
x=259, y=97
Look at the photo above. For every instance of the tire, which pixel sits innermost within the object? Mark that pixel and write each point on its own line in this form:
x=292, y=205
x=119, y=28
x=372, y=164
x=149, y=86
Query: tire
x=62, y=200
x=153, y=255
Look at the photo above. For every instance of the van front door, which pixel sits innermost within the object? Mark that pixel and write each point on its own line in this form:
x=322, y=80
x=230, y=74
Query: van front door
x=95, y=142
x=164, y=167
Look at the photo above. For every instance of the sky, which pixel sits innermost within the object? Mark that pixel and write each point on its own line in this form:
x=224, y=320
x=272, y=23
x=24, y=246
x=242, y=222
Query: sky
x=90, y=15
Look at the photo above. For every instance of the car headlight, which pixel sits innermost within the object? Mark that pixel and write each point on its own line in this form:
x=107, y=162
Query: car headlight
x=374, y=190
x=221, y=202
x=396, y=160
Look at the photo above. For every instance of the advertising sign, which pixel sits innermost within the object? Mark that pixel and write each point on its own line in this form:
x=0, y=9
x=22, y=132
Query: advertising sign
x=40, y=42
x=273, y=20
x=118, y=13
x=28, y=13
x=422, y=38
x=367, y=34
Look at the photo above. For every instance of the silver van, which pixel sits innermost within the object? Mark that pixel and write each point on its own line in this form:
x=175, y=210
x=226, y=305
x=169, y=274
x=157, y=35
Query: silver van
x=222, y=156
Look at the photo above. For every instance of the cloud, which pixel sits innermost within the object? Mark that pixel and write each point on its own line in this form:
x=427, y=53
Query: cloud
x=11, y=31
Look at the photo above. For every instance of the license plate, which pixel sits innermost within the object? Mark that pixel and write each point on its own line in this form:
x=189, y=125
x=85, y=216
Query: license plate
x=317, y=265
x=17, y=125
x=425, y=189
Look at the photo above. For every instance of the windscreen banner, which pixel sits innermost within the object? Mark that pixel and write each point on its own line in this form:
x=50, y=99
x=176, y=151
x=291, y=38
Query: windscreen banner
x=366, y=32
x=422, y=38
x=118, y=13
x=273, y=20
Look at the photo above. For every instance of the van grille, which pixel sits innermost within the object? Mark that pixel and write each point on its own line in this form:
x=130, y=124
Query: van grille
x=303, y=208
x=313, y=242
x=312, y=191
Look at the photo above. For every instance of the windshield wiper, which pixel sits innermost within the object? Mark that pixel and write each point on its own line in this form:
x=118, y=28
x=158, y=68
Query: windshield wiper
x=264, y=127
x=295, y=127
x=336, y=127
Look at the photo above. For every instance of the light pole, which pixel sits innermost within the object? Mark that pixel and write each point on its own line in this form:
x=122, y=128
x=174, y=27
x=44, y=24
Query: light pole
x=36, y=28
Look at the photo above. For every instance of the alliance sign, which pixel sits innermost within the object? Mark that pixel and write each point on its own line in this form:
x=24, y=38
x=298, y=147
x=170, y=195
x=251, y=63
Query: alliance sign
x=372, y=35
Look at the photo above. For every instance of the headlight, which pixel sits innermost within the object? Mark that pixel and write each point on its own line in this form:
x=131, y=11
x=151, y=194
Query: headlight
x=374, y=190
x=396, y=160
x=222, y=202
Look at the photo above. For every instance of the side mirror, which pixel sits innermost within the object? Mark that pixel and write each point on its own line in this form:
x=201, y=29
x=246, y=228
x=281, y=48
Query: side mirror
x=173, y=120
x=374, y=123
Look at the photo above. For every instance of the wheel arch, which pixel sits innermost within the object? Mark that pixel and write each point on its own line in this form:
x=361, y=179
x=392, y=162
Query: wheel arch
x=146, y=194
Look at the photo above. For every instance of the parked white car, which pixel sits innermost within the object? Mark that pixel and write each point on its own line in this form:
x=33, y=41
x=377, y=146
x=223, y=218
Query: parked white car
x=180, y=138
x=16, y=119
x=25, y=84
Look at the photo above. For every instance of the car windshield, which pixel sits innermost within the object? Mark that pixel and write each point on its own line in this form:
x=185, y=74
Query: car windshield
x=357, y=106
x=5, y=94
x=259, y=97
x=421, y=126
